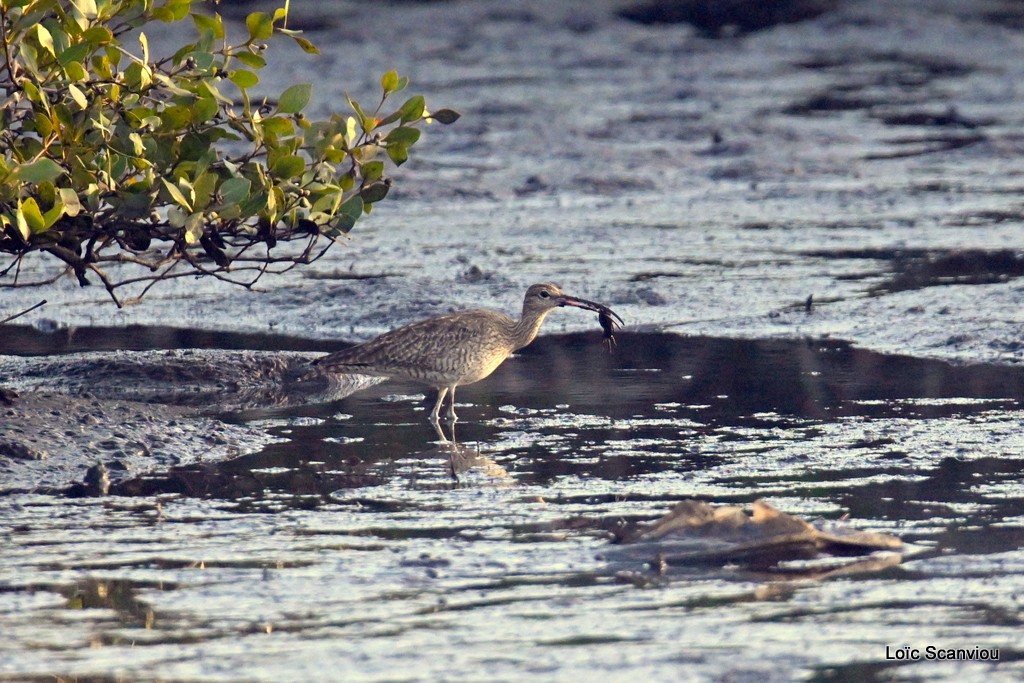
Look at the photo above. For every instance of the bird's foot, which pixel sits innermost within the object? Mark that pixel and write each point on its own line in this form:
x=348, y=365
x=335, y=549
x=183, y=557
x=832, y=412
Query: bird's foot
x=439, y=429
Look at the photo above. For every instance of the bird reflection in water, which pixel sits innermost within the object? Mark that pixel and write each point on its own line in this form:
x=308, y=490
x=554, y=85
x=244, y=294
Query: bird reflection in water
x=463, y=459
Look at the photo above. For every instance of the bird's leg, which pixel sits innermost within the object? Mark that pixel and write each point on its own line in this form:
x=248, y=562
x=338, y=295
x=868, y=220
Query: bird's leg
x=451, y=462
x=449, y=446
x=434, y=417
x=451, y=407
x=440, y=432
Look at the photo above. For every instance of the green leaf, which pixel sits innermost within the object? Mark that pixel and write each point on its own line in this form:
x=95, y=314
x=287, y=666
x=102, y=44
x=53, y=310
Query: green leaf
x=41, y=123
x=46, y=193
x=97, y=35
x=76, y=72
x=176, y=116
x=204, y=60
x=136, y=205
x=45, y=39
x=375, y=191
x=403, y=136
x=78, y=96
x=328, y=202
x=23, y=229
x=176, y=217
x=33, y=217
x=30, y=57
x=295, y=98
x=173, y=10
x=278, y=125
x=307, y=47
x=348, y=213
x=288, y=166
x=243, y=79
x=64, y=115
x=398, y=153
x=253, y=204
x=69, y=198
x=356, y=108
x=208, y=89
x=372, y=170
x=260, y=25
x=335, y=155
x=176, y=194
x=39, y=171
x=412, y=109
x=75, y=53
x=194, y=227
x=389, y=81
x=204, y=187
x=204, y=109
x=53, y=215
x=350, y=131
x=251, y=60
x=366, y=152
x=229, y=212
x=87, y=8
x=138, y=76
x=213, y=25
x=234, y=190
x=446, y=116
x=138, y=147
x=32, y=93
x=180, y=7
x=347, y=181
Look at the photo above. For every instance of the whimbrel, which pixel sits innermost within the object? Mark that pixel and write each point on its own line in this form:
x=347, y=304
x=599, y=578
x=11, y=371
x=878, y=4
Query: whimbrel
x=460, y=348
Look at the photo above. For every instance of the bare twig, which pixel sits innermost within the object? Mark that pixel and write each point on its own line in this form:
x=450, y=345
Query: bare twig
x=18, y=315
x=247, y=258
x=9, y=84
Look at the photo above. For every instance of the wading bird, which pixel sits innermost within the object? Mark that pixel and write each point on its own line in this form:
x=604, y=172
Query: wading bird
x=460, y=348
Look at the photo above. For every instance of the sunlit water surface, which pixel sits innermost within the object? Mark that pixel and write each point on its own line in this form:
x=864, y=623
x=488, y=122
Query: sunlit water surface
x=348, y=551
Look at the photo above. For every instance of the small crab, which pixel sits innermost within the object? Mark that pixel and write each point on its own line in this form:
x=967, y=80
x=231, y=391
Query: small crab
x=610, y=323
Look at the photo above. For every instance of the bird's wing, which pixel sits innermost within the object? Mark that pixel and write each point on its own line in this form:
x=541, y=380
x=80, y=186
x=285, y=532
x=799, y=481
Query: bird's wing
x=428, y=346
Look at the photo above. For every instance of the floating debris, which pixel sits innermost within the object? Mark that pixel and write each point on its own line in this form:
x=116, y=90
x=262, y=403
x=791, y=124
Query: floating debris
x=695, y=532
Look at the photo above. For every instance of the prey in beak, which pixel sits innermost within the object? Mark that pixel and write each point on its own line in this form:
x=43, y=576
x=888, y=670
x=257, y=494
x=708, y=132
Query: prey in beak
x=609, y=319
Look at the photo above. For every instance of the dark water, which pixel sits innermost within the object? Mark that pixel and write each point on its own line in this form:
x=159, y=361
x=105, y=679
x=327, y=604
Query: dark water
x=348, y=545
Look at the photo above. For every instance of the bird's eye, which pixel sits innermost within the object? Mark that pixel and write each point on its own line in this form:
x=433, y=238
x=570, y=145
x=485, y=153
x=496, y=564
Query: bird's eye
x=543, y=294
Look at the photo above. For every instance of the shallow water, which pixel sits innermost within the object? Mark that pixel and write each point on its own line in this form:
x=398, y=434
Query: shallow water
x=346, y=549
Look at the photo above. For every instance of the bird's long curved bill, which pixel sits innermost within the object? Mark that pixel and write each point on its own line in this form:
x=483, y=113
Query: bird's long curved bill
x=590, y=306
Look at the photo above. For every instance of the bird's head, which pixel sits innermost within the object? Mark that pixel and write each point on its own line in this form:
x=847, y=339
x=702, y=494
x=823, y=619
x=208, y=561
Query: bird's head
x=543, y=297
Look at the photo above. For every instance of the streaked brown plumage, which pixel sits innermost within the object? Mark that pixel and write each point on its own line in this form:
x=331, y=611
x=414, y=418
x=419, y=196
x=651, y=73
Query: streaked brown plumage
x=451, y=350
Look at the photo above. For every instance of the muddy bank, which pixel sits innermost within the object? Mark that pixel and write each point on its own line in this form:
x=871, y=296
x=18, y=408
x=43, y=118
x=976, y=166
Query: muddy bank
x=136, y=412
x=50, y=440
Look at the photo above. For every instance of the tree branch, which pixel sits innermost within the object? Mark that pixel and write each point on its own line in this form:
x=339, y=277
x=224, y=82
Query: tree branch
x=18, y=315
